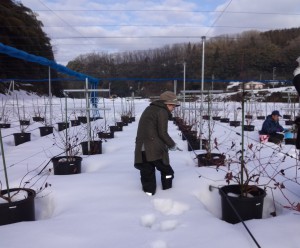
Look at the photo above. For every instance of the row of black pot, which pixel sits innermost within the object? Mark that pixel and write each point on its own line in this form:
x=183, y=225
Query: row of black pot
x=246, y=207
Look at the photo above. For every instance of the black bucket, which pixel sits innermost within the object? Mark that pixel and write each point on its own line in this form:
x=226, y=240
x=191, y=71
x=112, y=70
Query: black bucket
x=216, y=118
x=115, y=128
x=95, y=147
x=195, y=144
x=126, y=119
x=21, y=138
x=247, y=207
x=132, y=118
x=261, y=117
x=24, y=123
x=106, y=135
x=234, y=123
x=120, y=124
x=82, y=119
x=45, y=130
x=249, y=128
x=248, y=116
x=288, y=117
x=75, y=123
x=206, y=117
x=290, y=141
x=4, y=125
x=289, y=123
x=38, y=119
x=189, y=135
x=64, y=165
x=62, y=126
x=224, y=120
x=213, y=159
x=22, y=210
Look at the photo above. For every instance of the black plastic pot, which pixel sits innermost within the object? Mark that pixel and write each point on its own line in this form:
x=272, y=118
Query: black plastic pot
x=45, y=130
x=64, y=165
x=234, y=123
x=95, y=118
x=177, y=120
x=291, y=141
x=288, y=117
x=224, y=120
x=95, y=147
x=62, y=126
x=82, y=119
x=4, y=125
x=120, y=124
x=22, y=210
x=132, y=118
x=24, y=122
x=189, y=135
x=212, y=159
x=195, y=144
x=184, y=127
x=249, y=128
x=261, y=117
x=21, y=138
x=205, y=117
x=125, y=119
x=216, y=118
x=75, y=123
x=115, y=129
x=38, y=118
x=289, y=123
x=248, y=116
x=247, y=207
x=105, y=135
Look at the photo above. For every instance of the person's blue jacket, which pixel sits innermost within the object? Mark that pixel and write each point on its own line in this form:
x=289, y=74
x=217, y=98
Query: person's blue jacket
x=270, y=126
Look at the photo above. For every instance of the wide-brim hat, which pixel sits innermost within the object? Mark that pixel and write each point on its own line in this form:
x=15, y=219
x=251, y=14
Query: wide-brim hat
x=169, y=98
x=276, y=112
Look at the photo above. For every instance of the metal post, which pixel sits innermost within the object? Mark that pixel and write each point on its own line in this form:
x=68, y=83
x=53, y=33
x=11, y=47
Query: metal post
x=184, y=66
x=50, y=98
x=202, y=88
x=175, y=87
x=87, y=111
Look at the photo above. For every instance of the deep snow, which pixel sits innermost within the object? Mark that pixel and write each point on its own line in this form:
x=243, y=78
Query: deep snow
x=104, y=206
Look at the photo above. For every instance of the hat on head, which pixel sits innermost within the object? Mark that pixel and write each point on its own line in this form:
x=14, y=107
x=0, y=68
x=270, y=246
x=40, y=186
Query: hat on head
x=276, y=112
x=169, y=98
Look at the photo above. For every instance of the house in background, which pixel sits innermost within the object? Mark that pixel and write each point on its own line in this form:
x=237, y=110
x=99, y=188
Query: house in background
x=254, y=86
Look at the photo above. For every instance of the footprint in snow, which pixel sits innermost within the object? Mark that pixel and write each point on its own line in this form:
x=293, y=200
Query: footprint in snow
x=148, y=220
x=159, y=244
x=170, y=207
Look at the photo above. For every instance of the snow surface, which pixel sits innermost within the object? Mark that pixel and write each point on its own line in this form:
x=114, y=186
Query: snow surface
x=104, y=206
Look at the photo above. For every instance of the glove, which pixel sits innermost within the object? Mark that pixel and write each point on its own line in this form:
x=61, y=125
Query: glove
x=175, y=148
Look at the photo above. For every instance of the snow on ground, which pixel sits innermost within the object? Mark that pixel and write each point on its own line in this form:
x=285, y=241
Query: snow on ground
x=104, y=206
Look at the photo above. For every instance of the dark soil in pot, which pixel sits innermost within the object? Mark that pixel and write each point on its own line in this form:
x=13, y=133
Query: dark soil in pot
x=21, y=138
x=45, y=130
x=247, y=207
x=64, y=165
x=22, y=210
x=212, y=159
x=95, y=147
x=234, y=123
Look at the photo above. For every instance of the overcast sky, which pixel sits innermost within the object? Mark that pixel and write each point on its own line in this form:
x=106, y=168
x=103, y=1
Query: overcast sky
x=84, y=26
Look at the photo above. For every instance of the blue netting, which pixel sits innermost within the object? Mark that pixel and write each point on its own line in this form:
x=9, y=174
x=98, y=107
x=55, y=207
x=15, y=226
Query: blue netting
x=16, y=53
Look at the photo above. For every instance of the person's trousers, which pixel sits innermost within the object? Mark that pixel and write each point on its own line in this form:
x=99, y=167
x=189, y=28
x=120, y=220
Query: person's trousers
x=148, y=179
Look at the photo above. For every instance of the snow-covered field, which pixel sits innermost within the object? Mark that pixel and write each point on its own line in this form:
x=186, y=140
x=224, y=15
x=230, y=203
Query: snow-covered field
x=104, y=206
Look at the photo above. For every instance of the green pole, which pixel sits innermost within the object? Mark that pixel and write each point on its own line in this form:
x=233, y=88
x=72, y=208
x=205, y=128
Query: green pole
x=4, y=164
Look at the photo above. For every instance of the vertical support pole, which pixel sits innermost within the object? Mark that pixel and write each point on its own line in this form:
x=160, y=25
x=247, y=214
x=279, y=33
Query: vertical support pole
x=184, y=88
x=175, y=87
x=50, y=99
x=4, y=165
x=202, y=89
x=87, y=108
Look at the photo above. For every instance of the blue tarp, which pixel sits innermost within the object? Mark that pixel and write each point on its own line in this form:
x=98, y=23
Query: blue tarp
x=16, y=53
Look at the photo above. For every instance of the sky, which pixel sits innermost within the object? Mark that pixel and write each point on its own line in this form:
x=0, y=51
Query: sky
x=79, y=27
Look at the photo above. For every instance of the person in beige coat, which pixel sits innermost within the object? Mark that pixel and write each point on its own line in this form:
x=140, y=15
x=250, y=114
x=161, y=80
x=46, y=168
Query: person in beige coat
x=153, y=143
